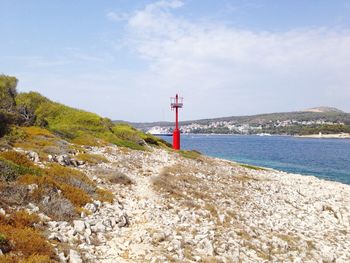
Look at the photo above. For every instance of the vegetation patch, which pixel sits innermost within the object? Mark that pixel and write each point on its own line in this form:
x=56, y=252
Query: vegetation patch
x=17, y=158
x=92, y=158
x=46, y=122
x=119, y=178
x=177, y=184
x=13, y=194
x=193, y=154
x=10, y=171
x=79, y=126
x=26, y=242
x=62, y=191
x=105, y=195
x=252, y=167
x=22, y=219
x=20, y=241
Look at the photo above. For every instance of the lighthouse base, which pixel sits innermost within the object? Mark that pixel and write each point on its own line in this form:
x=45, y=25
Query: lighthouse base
x=176, y=139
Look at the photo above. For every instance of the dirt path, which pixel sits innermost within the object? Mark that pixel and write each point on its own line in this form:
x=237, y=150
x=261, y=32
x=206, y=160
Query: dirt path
x=144, y=207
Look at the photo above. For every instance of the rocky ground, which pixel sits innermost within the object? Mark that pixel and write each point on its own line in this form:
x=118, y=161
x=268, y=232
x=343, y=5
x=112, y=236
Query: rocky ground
x=180, y=209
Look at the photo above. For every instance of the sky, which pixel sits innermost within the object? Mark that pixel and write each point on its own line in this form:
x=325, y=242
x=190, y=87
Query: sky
x=124, y=59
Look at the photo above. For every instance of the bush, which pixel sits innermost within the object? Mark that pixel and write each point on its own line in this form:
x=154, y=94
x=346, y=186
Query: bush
x=47, y=198
x=4, y=244
x=17, y=158
x=7, y=92
x=26, y=242
x=2, y=239
x=10, y=171
x=119, y=178
x=126, y=132
x=77, y=196
x=75, y=186
x=71, y=177
x=105, y=195
x=20, y=238
x=22, y=218
x=13, y=194
x=57, y=207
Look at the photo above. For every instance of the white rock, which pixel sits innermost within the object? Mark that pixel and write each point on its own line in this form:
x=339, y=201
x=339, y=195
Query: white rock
x=32, y=187
x=99, y=227
x=2, y=211
x=74, y=257
x=79, y=226
x=33, y=208
x=62, y=257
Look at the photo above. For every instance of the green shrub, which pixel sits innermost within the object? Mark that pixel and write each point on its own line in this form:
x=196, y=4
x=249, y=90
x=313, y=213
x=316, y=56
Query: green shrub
x=79, y=126
x=2, y=239
x=10, y=171
x=17, y=158
x=7, y=92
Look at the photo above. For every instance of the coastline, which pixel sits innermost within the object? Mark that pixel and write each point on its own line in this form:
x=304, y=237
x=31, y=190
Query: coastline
x=210, y=209
x=326, y=136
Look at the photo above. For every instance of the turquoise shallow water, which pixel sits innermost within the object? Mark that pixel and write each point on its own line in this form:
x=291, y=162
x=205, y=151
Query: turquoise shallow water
x=324, y=158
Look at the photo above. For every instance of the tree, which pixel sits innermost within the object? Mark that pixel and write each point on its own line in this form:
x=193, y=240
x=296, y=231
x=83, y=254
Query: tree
x=8, y=93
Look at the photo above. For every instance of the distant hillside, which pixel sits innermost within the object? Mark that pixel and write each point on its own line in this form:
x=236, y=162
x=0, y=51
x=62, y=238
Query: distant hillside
x=321, y=119
x=324, y=109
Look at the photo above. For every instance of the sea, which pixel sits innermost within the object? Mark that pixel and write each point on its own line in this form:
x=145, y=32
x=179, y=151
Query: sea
x=324, y=158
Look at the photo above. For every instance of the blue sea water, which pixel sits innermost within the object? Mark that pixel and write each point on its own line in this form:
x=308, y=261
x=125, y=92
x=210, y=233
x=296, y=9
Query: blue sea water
x=324, y=158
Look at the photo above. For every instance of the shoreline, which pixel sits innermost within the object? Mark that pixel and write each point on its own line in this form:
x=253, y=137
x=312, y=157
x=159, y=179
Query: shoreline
x=261, y=213
x=204, y=209
x=326, y=136
x=313, y=136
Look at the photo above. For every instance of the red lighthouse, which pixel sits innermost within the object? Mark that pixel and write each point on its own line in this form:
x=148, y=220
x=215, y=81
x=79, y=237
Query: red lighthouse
x=176, y=103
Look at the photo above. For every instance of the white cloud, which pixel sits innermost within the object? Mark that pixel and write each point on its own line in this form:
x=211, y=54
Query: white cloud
x=242, y=71
x=220, y=70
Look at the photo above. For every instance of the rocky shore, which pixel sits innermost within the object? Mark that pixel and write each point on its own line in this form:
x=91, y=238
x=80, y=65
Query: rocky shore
x=174, y=209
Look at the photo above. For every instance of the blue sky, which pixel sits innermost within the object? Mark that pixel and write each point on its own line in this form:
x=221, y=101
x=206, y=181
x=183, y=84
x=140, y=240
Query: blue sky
x=123, y=59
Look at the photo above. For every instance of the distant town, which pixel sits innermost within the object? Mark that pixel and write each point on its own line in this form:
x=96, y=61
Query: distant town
x=312, y=121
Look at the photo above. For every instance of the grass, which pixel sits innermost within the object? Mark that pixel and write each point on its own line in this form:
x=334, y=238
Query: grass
x=193, y=154
x=22, y=219
x=177, y=183
x=37, y=139
x=17, y=158
x=92, y=158
x=252, y=167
